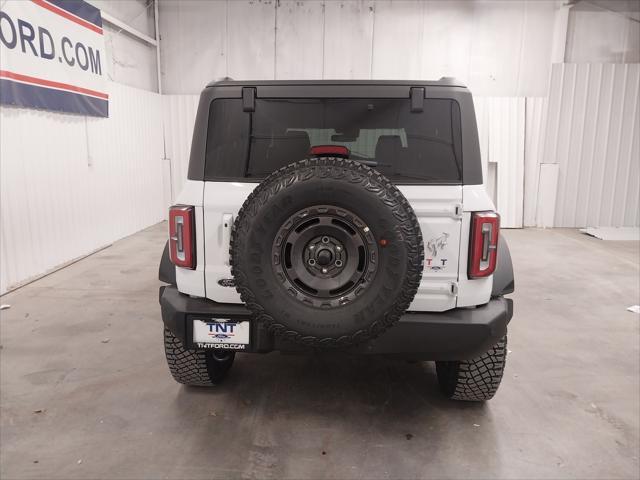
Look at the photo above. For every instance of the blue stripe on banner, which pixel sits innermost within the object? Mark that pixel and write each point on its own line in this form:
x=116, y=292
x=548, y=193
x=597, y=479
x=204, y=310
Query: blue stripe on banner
x=31, y=96
x=80, y=9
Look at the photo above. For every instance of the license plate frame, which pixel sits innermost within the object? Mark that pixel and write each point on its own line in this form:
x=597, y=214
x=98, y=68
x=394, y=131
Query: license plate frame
x=221, y=333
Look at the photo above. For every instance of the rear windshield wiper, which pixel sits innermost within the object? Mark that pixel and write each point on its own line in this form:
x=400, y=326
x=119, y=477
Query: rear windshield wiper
x=370, y=163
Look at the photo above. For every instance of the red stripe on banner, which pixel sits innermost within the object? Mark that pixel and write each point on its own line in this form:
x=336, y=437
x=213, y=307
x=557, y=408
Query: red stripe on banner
x=49, y=83
x=68, y=16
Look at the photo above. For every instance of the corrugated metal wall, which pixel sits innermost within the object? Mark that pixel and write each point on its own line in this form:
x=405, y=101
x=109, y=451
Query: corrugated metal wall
x=179, y=113
x=498, y=48
x=592, y=132
x=71, y=184
x=536, y=115
x=501, y=130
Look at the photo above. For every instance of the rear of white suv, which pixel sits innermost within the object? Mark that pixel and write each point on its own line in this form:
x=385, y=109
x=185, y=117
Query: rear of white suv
x=428, y=223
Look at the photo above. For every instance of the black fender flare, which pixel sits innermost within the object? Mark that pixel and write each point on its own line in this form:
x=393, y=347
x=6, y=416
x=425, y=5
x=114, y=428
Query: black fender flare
x=503, y=282
x=167, y=270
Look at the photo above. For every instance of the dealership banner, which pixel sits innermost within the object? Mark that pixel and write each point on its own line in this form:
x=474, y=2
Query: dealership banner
x=52, y=56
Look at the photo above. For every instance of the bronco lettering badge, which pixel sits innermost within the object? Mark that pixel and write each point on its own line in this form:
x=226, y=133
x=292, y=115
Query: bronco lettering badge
x=227, y=282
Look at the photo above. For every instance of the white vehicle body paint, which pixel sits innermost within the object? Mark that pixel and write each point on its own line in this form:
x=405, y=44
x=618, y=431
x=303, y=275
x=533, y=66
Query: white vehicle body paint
x=443, y=211
x=192, y=282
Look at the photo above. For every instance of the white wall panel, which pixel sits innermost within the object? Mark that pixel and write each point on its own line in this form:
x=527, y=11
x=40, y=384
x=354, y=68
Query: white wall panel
x=128, y=59
x=598, y=33
x=481, y=105
x=536, y=116
x=135, y=13
x=547, y=193
x=348, y=35
x=397, y=40
x=299, y=39
x=498, y=48
x=250, y=41
x=179, y=112
x=193, y=46
x=540, y=32
x=506, y=149
x=443, y=53
x=496, y=36
x=501, y=131
x=592, y=133
x=70, y=184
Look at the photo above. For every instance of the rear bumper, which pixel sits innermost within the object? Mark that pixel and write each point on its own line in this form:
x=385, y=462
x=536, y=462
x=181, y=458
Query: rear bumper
x=453, y=335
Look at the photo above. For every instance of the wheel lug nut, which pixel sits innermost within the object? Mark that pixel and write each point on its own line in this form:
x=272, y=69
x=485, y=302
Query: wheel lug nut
x=325, y=239
x=312, y=261
x=311, y=247
x=324, y=270
x=338, y=263
x=338, y=248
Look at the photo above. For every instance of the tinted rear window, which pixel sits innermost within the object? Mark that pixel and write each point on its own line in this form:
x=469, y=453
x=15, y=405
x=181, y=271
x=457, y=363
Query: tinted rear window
x=408, y=147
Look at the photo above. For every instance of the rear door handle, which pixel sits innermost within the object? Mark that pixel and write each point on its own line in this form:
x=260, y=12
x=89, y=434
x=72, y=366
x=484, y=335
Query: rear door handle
x=227, y=225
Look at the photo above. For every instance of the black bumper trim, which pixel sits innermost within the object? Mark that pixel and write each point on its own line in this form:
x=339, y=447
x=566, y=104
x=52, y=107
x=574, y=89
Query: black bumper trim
x=456, y=334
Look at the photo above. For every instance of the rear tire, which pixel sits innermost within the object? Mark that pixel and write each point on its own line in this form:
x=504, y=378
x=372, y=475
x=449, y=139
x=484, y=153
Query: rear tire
x=475, y=380
x=195, y=367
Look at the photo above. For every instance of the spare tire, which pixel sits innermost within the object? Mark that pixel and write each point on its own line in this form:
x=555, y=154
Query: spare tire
x=327, y=252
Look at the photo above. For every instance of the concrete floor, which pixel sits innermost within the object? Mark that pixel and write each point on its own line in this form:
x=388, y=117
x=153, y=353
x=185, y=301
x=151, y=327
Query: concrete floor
x=83, y=347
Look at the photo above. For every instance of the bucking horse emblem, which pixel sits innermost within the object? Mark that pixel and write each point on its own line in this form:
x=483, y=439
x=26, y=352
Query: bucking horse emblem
x=436, y=245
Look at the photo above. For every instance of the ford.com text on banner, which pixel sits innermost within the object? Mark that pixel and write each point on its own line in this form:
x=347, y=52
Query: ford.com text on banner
x=52, y=56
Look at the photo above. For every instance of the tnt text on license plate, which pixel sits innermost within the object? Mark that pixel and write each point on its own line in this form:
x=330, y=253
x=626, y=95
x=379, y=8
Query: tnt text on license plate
x=223, y=334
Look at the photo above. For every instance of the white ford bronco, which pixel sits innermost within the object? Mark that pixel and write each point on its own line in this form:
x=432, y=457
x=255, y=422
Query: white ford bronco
x=337, y=215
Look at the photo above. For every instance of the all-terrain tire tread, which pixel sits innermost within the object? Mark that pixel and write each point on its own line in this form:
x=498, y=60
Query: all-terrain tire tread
x=337, y=169
x=477, y=379
x=192, y=367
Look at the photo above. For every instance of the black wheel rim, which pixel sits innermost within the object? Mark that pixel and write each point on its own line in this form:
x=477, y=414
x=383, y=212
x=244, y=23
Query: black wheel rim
x=325, y=256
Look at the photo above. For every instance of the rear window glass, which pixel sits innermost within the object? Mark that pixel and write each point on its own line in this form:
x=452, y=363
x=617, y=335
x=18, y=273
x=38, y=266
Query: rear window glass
x=408, y=147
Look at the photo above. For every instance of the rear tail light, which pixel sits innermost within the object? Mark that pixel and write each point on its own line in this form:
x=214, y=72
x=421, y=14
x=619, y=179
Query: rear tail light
x=485, y=228
x=182, y=249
